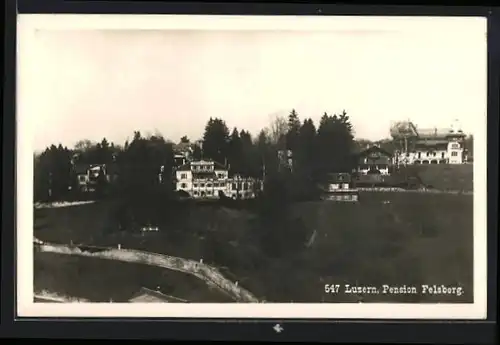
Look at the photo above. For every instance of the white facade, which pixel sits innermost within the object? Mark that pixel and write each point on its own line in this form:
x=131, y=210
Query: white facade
x=431, y=145
x=453, y=154
x=363, y=169
x=206, y=179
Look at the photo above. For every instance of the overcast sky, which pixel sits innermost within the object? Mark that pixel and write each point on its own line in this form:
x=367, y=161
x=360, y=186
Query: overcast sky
x=89, y=83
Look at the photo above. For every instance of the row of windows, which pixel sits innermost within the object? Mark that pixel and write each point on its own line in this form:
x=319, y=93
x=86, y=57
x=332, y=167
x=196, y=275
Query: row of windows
x=184, y=176
x=234, y=186
x=434, y=161
x=202, y=167
x=208, y=192
x=205, y=185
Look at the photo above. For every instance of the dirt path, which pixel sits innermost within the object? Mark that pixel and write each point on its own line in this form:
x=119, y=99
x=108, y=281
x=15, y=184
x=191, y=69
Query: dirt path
x=202, y=271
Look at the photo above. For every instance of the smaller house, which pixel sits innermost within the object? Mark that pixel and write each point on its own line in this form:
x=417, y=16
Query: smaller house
x=87, y=175
x=340, y=187
x=240, y=187
x=374, y=160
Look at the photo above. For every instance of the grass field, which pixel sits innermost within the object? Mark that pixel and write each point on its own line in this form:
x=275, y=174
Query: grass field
x=100, y=280
x=387, y=238
x=445, y=176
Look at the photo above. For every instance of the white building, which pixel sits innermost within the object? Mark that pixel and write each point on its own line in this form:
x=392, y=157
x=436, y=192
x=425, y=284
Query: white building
x=429, y=145
x=206, y=179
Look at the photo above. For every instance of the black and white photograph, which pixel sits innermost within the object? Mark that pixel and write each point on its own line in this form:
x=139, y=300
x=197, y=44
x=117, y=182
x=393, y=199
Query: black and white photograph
x=251, y=166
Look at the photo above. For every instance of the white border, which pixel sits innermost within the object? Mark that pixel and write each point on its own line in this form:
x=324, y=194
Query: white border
x=28, y=24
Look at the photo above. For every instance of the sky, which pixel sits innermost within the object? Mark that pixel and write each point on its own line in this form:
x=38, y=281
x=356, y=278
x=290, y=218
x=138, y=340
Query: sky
x=90, y=82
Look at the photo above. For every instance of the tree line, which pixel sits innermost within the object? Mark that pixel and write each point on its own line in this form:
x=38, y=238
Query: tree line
x=315, y=151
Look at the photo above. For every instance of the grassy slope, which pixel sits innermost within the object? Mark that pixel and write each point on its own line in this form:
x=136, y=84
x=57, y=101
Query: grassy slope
x=101, y=280
x=445, y=176
x=416, y=238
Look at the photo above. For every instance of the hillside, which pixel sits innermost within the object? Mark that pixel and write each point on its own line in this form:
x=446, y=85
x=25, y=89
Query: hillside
x=444, y=176
x=429, y=235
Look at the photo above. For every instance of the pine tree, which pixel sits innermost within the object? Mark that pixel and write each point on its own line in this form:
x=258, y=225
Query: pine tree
x=215, y=140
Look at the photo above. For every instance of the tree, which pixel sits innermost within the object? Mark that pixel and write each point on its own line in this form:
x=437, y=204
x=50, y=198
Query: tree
x=335, y=144
x=250, y=160
x=185, y=140
x=215, y=140
x=306, y=152
x=293, y=132
x=84, y=145
x=141, y=162
x=469, y=145
x=278, y=130
x=52, y=173
x=235, y=151
x=265, y=153
x=197, y=152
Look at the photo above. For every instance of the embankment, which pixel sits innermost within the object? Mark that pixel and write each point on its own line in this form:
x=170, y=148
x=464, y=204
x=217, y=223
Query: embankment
x=202, y=271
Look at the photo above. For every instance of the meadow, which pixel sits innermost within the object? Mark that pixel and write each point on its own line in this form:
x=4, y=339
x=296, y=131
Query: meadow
x=386, y=238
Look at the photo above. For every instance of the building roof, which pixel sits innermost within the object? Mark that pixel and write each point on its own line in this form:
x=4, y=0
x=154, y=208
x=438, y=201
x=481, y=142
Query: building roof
x=145, y=295
x=339, y=178
x=187, y=166
x=219, y=166
x=438, y=133
x=374, y=150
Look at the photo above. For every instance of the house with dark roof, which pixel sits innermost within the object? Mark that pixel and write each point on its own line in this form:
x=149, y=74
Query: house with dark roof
x=374, y=160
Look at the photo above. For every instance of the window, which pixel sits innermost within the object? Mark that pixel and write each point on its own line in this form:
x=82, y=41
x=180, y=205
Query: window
x=195, y=192
x=202, y=185
x=183, y=176
x=419, y=155
x=183, y=185
x=434, y=154
x=220, y=175
x=81, y=178
x=442, y=154
x=455, y=146
x=209, y=185
x=454, y=154
x=245, y=185
x=233, y=186
x=428, y=154
x=407, y=154
x=209, y=192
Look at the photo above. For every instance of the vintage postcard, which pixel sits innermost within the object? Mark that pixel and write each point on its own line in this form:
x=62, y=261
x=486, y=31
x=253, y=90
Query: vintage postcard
x=246, y=166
